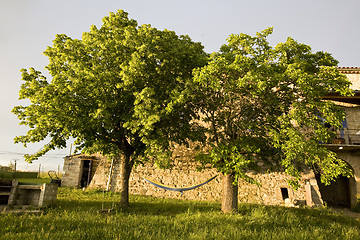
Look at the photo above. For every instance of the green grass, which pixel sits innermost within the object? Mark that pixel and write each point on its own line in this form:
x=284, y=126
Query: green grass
x=77, y=215
x=22, y=177
x=33, y=180
x=6, y=174
x=12, y=175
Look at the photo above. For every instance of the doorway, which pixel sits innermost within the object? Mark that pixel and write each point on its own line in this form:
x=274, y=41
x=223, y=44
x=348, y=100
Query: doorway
x=86, y=173
x=338, y=193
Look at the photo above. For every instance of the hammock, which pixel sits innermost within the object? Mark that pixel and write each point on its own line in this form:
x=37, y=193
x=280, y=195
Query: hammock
x=181, y=190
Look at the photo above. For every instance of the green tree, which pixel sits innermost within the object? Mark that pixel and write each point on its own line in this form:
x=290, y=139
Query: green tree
x=263, y=104
x=118, y=91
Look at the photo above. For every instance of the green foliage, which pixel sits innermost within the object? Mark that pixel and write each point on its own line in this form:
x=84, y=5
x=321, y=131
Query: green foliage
x=77, y=215
x=357, y=206
x=6, y=174
x=263, y=104
x=120, y=89
x=17, y=175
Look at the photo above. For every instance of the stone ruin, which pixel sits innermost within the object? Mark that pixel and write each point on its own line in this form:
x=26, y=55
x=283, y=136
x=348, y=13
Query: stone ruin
x=14, y=195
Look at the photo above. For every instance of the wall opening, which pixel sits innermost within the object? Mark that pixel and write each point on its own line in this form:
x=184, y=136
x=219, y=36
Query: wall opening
x=85, y=173
x=284, y=193
x=5, y=188
x=337, y=194
x=4, y=199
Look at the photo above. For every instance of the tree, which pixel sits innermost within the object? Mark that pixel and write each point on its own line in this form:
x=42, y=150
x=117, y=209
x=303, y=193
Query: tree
x=119, y=91
x=263, y=104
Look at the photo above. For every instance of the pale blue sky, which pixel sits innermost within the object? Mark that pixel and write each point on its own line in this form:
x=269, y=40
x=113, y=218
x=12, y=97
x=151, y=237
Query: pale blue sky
x=28, y=26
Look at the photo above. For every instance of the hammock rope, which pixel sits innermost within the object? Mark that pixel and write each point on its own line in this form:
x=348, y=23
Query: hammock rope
x=181, y=190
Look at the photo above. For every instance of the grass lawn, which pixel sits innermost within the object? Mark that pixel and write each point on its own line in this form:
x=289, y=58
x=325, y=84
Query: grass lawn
x=77, y=215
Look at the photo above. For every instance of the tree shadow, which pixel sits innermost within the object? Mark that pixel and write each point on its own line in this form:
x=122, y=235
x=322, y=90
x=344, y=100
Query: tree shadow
x=144, y=206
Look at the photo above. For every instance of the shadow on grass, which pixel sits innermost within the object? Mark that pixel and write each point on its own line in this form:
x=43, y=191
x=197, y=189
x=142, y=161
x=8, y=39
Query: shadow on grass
x=77, y=200
x=277, y=217
x=144, y=206
x=79, y=217
x=171, y=208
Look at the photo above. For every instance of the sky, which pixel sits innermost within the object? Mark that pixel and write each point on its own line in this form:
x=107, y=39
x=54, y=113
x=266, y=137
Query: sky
x=27, y=27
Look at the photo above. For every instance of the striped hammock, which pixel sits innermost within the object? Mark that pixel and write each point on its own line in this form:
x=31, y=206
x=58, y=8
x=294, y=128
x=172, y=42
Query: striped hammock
x=181, y=190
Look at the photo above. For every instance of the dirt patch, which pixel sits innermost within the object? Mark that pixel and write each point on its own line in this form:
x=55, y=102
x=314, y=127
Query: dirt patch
x=346, y=212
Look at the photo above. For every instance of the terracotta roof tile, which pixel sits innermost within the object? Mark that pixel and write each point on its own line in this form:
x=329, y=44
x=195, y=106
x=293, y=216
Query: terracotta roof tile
x=349, y=69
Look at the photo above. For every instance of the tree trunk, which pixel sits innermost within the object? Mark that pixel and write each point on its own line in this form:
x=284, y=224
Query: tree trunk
x=125, y=171
x=229, y=203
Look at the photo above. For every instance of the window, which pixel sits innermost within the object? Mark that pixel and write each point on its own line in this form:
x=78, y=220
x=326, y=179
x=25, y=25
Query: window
x=284, y=193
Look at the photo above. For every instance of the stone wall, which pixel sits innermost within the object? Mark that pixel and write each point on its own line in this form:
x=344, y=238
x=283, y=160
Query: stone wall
x=273, y=187
x=353, y=74
x=48, y=195
x=352, y=157
x=353, y=117
x=102, y=174
x=73, y=169
x=32, y=195
x=183, y=174
x=354, y=78
x=353, y=125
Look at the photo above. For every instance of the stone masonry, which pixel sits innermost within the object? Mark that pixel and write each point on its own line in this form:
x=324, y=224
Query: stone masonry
x=273, y=188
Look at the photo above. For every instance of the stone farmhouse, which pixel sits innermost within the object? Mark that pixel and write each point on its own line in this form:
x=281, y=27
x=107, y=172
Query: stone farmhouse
x=97, y=172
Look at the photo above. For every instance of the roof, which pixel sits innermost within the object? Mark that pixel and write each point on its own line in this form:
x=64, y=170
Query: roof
x=355, y=86
x=336, y=97
x=349, y=70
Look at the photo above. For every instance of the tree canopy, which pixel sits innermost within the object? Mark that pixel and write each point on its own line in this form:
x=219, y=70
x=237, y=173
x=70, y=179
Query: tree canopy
x=120, y=89
x=128, y=90
x=262, y=104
